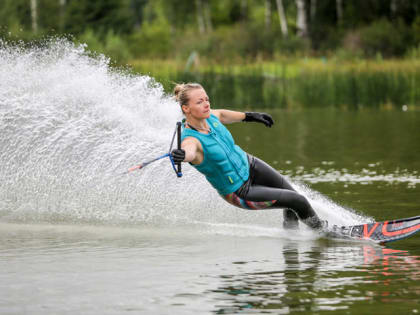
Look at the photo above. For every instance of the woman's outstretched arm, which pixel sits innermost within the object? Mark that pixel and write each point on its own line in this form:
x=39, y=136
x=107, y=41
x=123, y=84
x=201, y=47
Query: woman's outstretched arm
x=228, y=116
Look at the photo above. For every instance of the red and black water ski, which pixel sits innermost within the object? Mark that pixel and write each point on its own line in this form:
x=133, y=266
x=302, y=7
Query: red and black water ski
x=378, y=232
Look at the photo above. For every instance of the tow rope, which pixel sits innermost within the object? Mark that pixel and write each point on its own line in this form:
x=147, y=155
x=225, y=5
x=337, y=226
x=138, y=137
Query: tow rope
x=176, y=166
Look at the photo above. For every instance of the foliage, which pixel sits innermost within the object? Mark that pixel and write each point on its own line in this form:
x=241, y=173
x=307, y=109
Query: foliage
x=388, y=39
x=92, y=41
x=99, y=16
x=152, y=40
x=224, y=30
x=116, y=47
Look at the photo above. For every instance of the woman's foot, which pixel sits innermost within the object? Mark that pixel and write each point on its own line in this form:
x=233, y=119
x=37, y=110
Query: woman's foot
x=290, y=219
x=316, y=223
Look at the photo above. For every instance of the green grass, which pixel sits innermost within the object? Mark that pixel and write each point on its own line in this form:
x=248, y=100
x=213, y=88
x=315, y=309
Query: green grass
x=296, y=82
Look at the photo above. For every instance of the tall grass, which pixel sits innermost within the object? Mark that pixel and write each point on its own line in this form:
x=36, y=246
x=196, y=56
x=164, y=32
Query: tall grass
x=299, y=83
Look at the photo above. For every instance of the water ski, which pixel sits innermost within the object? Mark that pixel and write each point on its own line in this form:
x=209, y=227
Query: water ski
x=378, y=232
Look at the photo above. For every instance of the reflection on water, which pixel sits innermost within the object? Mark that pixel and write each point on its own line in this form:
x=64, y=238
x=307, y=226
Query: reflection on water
x=321, y=278
x=86, y=269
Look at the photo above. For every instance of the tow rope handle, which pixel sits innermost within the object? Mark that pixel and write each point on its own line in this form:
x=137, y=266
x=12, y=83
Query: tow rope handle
x=178, y=127
x=177, y=168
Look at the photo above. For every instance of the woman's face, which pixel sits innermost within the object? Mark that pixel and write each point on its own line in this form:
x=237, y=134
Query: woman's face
x=199, y=104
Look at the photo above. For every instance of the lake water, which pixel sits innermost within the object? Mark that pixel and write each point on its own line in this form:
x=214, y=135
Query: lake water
x=77, y=238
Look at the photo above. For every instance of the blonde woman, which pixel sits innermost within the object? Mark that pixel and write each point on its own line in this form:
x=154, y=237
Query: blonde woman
x=241, y=179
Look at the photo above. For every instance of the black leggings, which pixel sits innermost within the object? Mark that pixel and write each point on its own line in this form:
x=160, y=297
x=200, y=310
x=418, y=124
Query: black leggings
x=265, y=183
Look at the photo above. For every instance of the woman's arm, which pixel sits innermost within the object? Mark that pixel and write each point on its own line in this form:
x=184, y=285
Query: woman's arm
x=193, y=150
x=228, y=116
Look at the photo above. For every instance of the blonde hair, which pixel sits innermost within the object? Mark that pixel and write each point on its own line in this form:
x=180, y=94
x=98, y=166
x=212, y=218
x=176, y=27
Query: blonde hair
x=181, y=92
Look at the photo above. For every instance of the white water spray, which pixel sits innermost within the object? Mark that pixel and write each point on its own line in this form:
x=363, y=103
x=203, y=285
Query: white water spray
x=69, y=124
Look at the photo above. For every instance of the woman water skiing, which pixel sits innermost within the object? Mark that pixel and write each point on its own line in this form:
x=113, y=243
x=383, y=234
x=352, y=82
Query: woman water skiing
x=241, y=179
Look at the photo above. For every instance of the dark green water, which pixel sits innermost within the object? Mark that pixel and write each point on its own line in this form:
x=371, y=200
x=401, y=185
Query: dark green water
x=365, y=160
x=227, y=261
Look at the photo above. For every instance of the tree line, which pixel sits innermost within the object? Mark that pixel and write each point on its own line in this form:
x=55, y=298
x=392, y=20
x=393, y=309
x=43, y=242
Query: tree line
x=222, y=29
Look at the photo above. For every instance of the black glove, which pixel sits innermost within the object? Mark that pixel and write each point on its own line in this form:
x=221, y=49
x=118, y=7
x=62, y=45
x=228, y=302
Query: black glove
x=178, y=155
x=259, y=117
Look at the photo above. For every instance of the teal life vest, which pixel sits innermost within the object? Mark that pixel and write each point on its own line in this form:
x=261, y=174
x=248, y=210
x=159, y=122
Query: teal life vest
x=225, y=164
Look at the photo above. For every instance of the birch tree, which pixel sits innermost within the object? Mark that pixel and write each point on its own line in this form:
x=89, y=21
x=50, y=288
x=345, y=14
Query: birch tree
x=34, y=15
x=267, y=14
x=313, y=10
x=302, y=25
x=62, y=11
x=200, y=17
x=244, y=8
x=207, y=16
x=203, y=16
x=282, y=18
x=339, y=9
x=393, y=8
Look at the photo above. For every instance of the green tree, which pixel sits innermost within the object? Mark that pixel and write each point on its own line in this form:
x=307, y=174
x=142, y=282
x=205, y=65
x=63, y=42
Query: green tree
x=100, y=16
x=15, y=15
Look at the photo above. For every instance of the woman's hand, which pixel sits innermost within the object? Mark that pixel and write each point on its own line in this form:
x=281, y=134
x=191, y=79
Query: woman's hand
x=259, y=117
x=178, y=155
x=191, y=152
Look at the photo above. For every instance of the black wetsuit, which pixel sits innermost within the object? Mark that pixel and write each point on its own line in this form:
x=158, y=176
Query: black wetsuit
x=265, y=183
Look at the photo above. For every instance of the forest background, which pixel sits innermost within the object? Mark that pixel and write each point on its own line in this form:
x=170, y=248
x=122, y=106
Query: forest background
x=258, y=53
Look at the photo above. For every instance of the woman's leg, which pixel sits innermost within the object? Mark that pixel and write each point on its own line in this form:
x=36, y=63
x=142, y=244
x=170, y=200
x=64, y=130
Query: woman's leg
x=286, y=199
x=268, y=184
x=266, y=175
